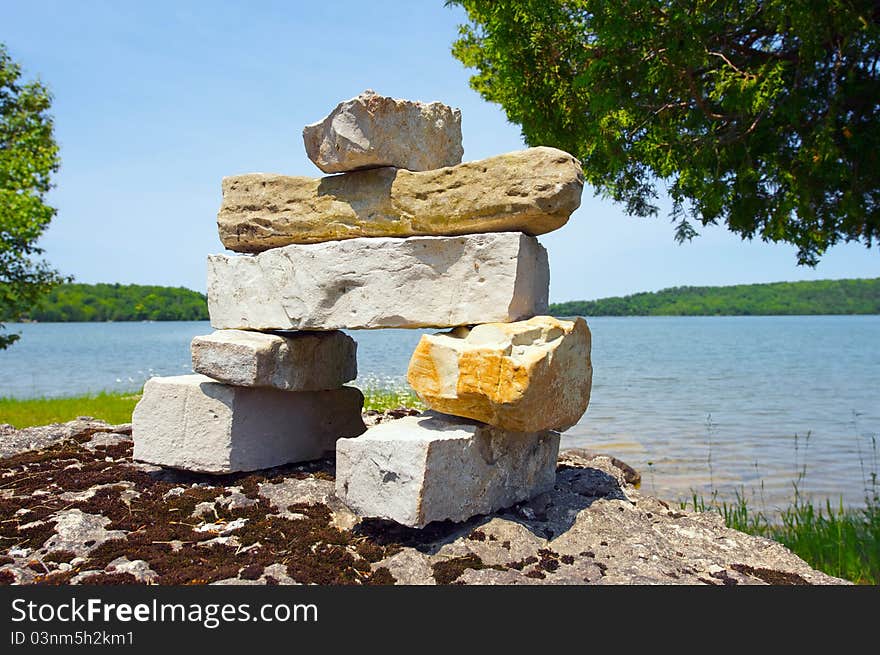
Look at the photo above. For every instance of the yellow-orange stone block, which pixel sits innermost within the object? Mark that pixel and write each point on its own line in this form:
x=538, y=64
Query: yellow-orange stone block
x=525, y=376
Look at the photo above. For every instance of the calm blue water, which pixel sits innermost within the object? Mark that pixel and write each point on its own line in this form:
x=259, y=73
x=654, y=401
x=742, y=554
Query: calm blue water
x=694, y=403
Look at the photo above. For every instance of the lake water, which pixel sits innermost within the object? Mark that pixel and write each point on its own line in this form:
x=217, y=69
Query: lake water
x=694, y=403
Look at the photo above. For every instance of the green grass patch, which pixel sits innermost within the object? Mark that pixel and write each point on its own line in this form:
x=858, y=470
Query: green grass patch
x=843, y=542
x=381, y=399
x=108, y=406
x=117, y=407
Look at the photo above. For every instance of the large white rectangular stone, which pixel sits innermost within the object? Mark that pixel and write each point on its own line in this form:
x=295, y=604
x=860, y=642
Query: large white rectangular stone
x=435, y=467
x=381, y=283
x=293, y=361
x=194, y=423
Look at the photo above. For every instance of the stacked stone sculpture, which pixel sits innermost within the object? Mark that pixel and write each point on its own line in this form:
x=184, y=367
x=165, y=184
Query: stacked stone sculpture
x=404, y=236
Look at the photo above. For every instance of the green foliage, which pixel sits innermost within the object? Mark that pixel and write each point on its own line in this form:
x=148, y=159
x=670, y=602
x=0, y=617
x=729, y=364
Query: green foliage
x=761, y=115
x=793, y=298
x=28, y=157
x=120, y=302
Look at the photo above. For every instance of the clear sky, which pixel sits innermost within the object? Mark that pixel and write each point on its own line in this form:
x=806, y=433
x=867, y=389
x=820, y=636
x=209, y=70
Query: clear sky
x=156, y=101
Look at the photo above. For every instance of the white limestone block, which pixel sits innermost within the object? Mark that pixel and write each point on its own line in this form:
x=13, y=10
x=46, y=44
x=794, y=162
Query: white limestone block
x=370, y=283
x=435, y=467
x=295, y=361
x=192, y=422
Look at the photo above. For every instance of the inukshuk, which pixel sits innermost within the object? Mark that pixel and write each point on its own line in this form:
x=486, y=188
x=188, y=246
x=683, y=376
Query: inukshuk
x=404, y=236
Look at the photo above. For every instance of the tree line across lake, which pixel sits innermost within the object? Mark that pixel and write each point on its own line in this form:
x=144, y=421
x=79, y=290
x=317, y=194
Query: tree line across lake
x=861, y=296
x=120, y=302
x=134, y=302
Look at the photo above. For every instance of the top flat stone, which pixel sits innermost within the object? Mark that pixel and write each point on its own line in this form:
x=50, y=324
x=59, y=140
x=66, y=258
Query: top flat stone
x=370, y=131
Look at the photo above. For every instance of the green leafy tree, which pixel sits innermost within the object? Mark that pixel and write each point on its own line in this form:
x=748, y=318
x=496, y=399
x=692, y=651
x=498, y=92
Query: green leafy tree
x=28, y=157
x=119, y=302
x=763, y=115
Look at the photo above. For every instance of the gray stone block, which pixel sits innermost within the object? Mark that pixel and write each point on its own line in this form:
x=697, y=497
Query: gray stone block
x=370, y=283
x=297, y=361
x=194, y=423
x=433, y=467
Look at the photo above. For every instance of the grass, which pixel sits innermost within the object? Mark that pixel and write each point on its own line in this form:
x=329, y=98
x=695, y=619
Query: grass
x=840, y=541
x=389, y=398
x=843, y=542
x=117, y=407
x=108, y=406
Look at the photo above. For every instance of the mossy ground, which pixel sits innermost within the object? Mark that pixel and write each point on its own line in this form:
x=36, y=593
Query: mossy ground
x=160, y=525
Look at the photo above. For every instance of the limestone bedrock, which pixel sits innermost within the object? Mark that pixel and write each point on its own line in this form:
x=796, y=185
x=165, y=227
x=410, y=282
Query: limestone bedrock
x=292, y=361
x=381, y=283
x=532, y=191
x=192, y=422
x=435, y=467
x=525, y=376
x=371, y=130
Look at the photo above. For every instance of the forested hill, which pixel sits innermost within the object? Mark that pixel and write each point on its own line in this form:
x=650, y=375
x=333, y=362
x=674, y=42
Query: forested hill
x=815, y=297
x=134, y=302
x=120, y=302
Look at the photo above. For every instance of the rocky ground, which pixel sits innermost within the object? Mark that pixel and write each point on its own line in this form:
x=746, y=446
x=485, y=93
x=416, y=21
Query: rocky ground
x=75, y=509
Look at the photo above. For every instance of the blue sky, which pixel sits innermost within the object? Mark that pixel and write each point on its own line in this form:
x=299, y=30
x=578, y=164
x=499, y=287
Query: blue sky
x=156, y=101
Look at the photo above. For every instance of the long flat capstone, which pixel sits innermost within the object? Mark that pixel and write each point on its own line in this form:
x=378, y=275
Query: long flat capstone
x=381, y=283
x=435, y=467
x=194, y=423
x=532, y=191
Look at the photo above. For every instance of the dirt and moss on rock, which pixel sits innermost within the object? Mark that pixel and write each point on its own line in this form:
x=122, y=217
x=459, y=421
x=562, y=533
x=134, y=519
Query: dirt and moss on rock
x=75, y=509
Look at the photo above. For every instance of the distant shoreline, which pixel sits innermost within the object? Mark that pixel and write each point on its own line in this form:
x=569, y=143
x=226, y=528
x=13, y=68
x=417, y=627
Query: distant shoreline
x=556, y=314
x=809, y=298
x=119, y=303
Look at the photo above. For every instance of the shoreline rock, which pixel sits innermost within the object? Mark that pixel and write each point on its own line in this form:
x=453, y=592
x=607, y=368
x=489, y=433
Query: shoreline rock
x=591, y=528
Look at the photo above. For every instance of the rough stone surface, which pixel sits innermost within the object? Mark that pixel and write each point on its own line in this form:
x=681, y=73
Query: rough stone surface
x=532, y=191
x=138, y=568
x=526, y=376
x=591, y=528
x=435, y=467
x=298, y=361
x=372, y=130
x=14, y=441
x=381, y=283
x=78, y=532
x=194, y=423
